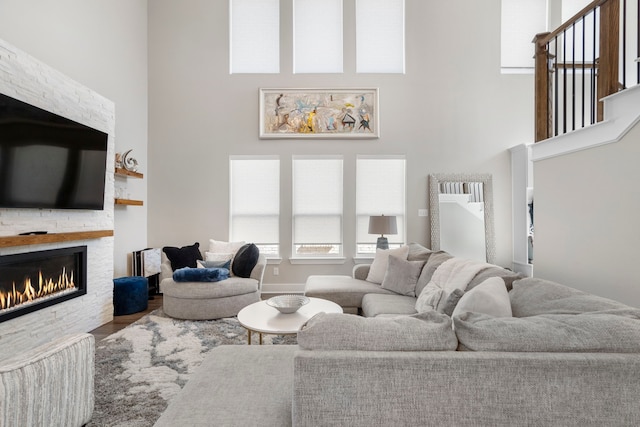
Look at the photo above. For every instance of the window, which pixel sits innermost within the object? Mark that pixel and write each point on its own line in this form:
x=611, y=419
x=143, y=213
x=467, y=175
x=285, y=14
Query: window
x=317, y=36
x=380, y=36
x=380, y=190
x=521, y=21
x=254, y=36
x=255, y=202
x=317, y=206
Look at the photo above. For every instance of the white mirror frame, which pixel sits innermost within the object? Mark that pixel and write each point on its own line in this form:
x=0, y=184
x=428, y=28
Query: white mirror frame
x=489, y=232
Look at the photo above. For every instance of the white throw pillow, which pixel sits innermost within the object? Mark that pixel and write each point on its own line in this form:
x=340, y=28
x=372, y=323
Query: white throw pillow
x=429, y=298
x=218, y=246
x=490, y=297
x=379, y=266
x=219, y=257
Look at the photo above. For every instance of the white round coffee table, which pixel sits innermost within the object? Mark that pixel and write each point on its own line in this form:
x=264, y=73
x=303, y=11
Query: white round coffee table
x=262, y=318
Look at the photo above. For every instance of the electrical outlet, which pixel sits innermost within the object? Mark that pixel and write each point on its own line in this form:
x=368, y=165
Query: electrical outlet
x=276, y=271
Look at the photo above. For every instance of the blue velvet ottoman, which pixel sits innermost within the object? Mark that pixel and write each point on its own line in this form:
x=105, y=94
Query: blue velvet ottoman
x=130, y=295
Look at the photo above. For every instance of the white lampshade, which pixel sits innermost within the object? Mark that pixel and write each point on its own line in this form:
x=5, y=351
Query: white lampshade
x=383, y=225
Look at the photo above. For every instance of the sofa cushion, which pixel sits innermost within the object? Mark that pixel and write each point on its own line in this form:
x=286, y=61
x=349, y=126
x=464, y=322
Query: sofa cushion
x=245, y=259
x=494, y=271
x=343, y=290
x=417, y=252
x=434, y=261
x=402, y=275
x=611, y=331
x=186, y=256
x=429, y=298
x=381, y=261
x=429, y=331
x=377, y=304
x=490, y=297
x=188, y=274
x=203, y=290
x=218, y=246
x=214, y=264
x=532, y=296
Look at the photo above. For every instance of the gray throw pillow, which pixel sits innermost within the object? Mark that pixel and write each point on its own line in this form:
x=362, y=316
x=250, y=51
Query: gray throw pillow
x=451, y=302
x=533, y=296
x=402, y=275
x=417, y=252
x=612, y=331
x=429, y=331
x=430, y=267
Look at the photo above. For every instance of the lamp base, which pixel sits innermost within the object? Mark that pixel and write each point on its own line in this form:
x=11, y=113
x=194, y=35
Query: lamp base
x=382, y=243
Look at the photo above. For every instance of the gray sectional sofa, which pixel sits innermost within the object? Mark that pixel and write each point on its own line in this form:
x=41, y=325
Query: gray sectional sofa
x=561, y=357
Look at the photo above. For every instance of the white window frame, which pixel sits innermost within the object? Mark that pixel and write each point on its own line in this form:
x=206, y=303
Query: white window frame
x=315, y=48
x=380, y=36
x=255, y=39
x=266, y=248
x=317, y=258
x=396, y=240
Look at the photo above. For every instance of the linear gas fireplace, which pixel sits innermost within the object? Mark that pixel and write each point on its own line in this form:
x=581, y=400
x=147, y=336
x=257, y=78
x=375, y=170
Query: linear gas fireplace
x=34, y=280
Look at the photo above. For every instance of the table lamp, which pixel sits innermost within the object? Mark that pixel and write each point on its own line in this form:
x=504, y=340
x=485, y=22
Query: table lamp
x=382, y=225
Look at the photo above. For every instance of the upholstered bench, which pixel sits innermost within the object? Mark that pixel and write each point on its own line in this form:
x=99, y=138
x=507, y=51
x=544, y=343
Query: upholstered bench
x=250, y=387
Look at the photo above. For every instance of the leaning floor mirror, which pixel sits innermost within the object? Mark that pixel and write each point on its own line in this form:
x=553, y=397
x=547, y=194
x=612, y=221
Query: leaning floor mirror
x=462, y=215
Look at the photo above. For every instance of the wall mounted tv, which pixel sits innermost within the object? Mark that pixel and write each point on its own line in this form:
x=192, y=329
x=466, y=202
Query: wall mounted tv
x=48, y=161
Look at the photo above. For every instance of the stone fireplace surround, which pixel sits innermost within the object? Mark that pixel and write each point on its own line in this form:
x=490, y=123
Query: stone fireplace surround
x=27, y=79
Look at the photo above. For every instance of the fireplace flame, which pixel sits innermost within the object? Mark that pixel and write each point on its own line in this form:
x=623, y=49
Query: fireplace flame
x=46, y=287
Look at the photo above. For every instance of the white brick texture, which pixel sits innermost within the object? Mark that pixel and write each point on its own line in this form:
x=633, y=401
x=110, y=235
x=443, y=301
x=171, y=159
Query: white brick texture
x=25, y=78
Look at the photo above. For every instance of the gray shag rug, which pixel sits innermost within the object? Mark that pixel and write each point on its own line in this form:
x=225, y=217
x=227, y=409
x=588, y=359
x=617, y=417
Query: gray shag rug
x=140, y=368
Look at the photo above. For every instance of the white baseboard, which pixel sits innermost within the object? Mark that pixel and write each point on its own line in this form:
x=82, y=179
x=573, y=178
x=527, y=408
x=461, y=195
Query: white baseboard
x=283, y=288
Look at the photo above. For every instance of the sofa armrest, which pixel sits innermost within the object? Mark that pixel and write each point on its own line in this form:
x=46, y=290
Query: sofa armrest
x=51, y=385
x=364, y=388
x=361, y=271
x=258, y=271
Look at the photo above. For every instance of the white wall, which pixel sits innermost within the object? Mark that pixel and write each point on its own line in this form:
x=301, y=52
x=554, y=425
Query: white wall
x=586, y=219
x=103, y=45
x=451, y=112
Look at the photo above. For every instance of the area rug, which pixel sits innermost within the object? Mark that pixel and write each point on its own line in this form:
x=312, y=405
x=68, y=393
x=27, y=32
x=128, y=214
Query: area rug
x=142, y=367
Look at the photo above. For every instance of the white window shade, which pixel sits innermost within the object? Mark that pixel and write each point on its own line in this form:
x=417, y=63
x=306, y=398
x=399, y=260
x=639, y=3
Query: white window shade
x=317, y=206
x=255, y=202
x=521, y=21
x=380, y=36
x=317, y=36
x=254, y=36
x=380, y=190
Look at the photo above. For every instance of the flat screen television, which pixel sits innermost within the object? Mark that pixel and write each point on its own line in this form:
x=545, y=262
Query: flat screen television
x=48, y=161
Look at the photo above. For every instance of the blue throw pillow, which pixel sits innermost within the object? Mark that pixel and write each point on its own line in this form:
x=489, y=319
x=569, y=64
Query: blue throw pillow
x=246, y=258
x=200, y=274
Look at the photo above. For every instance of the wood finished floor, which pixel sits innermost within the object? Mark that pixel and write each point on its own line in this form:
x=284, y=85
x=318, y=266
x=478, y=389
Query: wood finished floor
x=121, y=322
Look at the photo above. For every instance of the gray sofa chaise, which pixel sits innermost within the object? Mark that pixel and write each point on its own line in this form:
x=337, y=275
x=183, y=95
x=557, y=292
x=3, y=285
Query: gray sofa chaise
x=356, y=295
x=561, y=357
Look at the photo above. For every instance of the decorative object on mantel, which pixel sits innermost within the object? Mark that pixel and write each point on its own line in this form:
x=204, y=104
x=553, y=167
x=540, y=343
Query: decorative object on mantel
x=319, y=113
x=383, y=225
x=129, y=163
x=118, y=160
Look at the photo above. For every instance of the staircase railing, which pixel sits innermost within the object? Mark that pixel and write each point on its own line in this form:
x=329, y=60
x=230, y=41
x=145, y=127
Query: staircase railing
x=584, y=60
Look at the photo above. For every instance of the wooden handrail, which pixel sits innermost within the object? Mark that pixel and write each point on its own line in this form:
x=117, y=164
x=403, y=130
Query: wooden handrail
x=605, y=71
x=571, y=21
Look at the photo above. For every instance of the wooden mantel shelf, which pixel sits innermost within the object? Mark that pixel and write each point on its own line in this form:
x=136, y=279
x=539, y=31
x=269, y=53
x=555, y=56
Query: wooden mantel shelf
x=124, y=172
x=37, y=239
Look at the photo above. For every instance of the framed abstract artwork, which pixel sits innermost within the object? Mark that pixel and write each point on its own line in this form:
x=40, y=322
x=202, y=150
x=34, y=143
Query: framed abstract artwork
x=319, y=113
